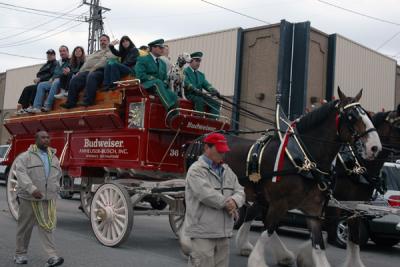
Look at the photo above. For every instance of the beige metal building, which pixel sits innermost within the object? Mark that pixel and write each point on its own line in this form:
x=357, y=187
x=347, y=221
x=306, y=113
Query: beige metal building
x=259, y=67
x=397, y=88
x=15, y=81
x=357, y=66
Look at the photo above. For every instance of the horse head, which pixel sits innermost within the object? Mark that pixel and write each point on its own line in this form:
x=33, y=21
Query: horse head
x=355, y=126
x=388, y=126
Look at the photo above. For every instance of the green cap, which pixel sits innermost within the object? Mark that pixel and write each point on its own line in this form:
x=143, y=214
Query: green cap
x=196, y=55
x=158, y=42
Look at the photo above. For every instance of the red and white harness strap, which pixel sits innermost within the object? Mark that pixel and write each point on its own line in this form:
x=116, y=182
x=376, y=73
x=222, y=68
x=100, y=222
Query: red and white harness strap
x=280, y=157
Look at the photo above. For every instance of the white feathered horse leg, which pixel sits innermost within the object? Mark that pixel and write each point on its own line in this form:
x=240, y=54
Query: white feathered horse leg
x=242, y=239
x=353, y=258
x=257, y=256
x=283, y=256
x=272, y=241
x=312, y=254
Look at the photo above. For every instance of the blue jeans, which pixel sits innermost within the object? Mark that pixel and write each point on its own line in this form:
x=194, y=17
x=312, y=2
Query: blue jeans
x=42, y=88
x=113, y=72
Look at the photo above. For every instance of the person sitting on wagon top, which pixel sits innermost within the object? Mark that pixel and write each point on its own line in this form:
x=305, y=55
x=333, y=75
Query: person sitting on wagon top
x=152, y=72
x=52, y=86
x=143, y=50
x=76, y=62
x=113, y=71
x=195, y=83
x=90, y=76
x=44, y=74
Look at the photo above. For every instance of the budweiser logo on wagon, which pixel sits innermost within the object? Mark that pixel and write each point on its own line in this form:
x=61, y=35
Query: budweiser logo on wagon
x=198, y=126
x=103, y=143
x=118, y=147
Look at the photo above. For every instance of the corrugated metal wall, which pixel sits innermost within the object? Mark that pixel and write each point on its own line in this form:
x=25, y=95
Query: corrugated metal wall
x=16, y=80
x=219, y=60
x=3, y=113
x=360, y=67
x=397, y=88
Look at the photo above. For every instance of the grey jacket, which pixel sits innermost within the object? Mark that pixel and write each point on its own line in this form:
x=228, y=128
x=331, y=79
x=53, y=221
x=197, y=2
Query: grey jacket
x=31, y=175
x=97, y=60
x=205, y=197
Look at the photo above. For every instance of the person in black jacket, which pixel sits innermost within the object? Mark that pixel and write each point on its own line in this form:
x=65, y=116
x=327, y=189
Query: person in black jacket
x=76, y=62
x=115, y=70
x=44, y=74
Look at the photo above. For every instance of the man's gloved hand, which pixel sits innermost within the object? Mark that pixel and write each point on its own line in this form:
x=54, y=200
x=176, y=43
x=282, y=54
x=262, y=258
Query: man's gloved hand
x=215, y=93
x=36, y=194
x=188, y=88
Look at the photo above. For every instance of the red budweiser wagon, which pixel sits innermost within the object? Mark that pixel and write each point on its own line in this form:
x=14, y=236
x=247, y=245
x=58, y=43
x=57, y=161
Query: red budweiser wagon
x=118, y=153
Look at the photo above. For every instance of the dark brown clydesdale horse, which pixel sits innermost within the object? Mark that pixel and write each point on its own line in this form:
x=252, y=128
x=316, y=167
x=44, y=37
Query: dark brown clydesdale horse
x=322, y=132
x=352, y=186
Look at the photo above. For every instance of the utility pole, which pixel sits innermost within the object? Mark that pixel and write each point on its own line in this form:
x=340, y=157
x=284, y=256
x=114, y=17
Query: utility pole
x=95, y=21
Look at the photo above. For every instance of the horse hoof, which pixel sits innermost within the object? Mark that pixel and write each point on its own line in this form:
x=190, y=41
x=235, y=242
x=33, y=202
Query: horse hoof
x=289, y=261
x=246, y=249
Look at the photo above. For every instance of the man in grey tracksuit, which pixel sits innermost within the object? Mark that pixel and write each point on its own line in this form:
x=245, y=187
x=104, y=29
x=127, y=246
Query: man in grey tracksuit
x=38, y=173
x=213, y=195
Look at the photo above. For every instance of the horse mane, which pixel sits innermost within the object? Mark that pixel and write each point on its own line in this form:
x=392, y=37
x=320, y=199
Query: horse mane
x=378, y=118
x=316, y=116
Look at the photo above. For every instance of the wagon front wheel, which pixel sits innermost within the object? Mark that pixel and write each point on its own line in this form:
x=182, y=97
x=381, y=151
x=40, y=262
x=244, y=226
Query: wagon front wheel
x=177, y=215
x=12, y=185
x=111, y=214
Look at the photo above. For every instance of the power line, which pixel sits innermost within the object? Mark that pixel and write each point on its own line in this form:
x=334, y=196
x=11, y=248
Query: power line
x=28, y=40
x=39, y=25
x=359, y=13
x=236, y=12
x=40, y=14
x=46, y=37
x=34, y=9
x=15, y=55
x=388, y=40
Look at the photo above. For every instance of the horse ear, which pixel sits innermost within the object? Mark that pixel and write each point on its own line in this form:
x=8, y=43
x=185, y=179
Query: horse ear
x=358, y=96
x=342, y=96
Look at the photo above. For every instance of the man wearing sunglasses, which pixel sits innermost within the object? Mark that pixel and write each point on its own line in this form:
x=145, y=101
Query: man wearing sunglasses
x=152, y=72
x=199, y=90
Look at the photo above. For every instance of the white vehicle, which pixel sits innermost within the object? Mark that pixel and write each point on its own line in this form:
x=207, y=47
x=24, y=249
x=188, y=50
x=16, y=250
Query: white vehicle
x=3, y=154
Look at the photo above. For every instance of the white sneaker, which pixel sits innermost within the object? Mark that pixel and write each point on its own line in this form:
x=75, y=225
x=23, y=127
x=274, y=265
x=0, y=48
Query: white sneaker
x=33, y=110
x=62, y=94
x=21, y=112
x=20, y=259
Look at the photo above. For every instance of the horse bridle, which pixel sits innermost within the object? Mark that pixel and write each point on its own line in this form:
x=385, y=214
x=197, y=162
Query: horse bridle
x=394, y=122
x=349, y=114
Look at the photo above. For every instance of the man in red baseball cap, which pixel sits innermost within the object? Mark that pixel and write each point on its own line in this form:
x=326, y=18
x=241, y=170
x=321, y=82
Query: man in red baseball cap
x=212, y=195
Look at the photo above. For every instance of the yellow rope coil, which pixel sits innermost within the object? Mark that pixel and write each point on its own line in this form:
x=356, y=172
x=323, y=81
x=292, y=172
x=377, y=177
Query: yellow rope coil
x=47, y=224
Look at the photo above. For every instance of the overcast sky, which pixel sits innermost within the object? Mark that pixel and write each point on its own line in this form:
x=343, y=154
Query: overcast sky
x=145, y=21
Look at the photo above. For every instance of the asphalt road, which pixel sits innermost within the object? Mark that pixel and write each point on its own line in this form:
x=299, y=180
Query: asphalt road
x=151, y=243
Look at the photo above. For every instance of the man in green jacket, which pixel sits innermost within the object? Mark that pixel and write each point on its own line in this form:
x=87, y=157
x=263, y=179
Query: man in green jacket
x=152, y=72
x=196, y=82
